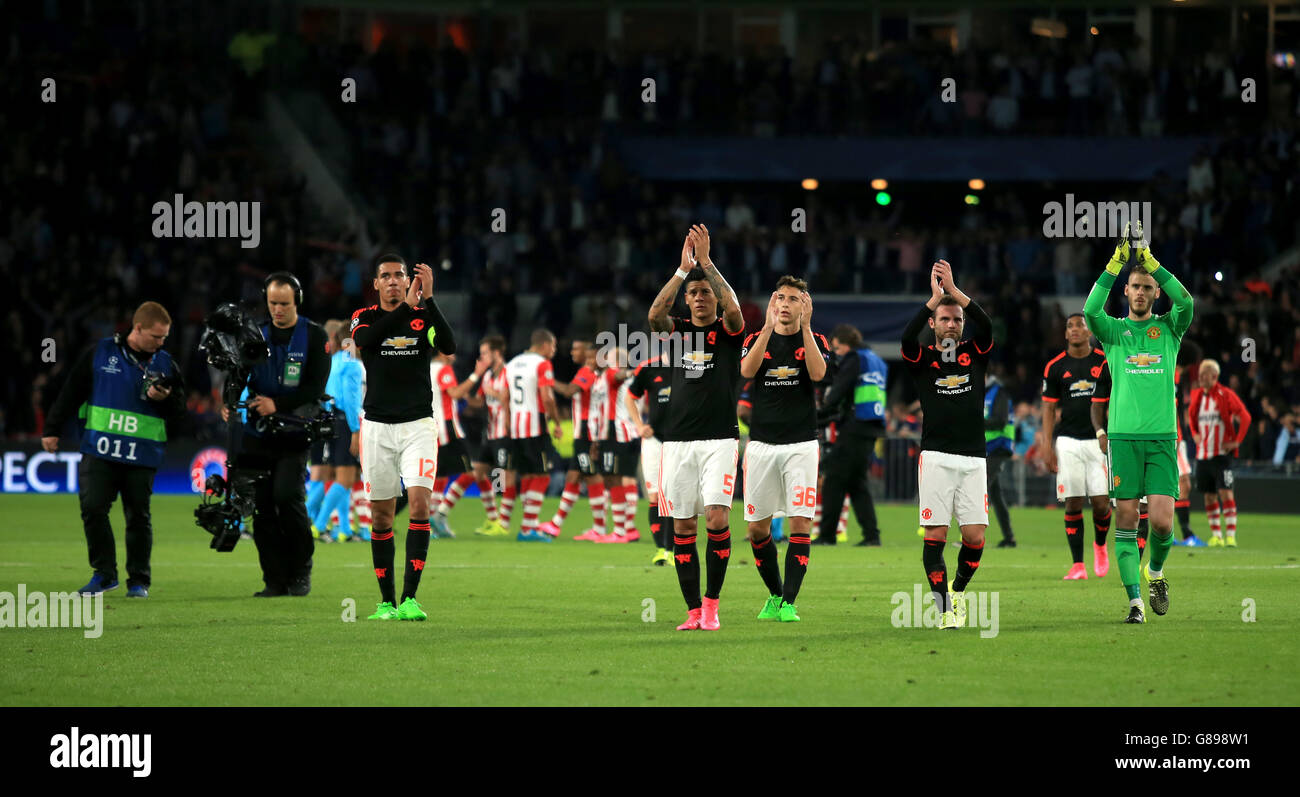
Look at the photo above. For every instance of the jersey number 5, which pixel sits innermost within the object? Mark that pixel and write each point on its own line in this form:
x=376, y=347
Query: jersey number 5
x=519, y=389
x=728, y=484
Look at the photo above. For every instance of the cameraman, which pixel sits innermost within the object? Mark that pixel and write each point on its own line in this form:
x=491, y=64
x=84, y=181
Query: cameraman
x=125, y=390
x=291, y=380
x=855, y=403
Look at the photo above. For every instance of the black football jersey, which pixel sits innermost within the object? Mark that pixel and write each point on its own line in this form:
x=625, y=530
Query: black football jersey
x=395, y=347
x=656, y=380
x=782, y=395
x=952, y=398
x=706, y=378
x=1073, y=384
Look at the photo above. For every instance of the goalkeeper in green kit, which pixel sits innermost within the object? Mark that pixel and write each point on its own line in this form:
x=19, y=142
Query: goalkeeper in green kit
x=1142, y=430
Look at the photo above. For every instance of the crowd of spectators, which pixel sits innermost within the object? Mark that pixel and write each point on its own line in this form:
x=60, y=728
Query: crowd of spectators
x=136, y=118
x=442, y=136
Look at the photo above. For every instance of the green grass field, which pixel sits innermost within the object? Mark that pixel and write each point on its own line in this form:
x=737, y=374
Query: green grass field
x=562, y=624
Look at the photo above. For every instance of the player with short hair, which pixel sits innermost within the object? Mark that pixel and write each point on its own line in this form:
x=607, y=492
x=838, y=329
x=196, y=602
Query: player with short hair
x=1142, y=427
x=399, y=436
x=529, y=379
x=952, y=479
x=453, y=453
x=698, y=468
x=785, y=359
x=651, y=387
x=1213, y=409
x=1073, y=381
x=494, y=457
x=583, y=465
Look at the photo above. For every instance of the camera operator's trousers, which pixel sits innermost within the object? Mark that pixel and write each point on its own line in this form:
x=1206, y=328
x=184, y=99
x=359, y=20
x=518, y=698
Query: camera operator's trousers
x=845, y=473
x=100, y=483
x=281, y=528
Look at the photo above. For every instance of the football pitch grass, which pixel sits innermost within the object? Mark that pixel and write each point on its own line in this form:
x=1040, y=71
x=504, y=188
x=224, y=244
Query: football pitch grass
x=567, y=624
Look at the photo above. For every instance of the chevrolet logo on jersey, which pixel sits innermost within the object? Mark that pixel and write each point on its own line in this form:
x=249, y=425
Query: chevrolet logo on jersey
x=1142, y=360
x=402, y=345
x=665, y=393
x=952, y=381
x=696, y=357
x=783, y=372
x=1083, y=386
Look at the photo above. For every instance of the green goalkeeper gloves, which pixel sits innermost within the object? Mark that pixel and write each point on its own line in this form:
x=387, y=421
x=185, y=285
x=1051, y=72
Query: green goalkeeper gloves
x=1120, y=257
x=1147, y=260
x=1142, y=250
x=1134, y=243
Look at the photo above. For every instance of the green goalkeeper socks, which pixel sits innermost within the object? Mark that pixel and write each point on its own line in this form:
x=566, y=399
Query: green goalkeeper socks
x=1160, y=545
x=1126, y=551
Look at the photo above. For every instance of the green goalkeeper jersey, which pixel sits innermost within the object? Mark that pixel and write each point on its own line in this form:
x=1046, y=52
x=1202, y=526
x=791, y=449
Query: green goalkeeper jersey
x=1142, y=356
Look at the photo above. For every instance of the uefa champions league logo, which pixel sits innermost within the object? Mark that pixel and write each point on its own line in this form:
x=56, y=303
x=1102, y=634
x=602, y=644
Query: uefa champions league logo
x=206, y=463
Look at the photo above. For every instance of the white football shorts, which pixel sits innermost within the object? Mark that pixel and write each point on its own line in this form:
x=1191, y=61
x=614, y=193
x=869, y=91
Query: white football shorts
x=651, y=450
x=397, y=453
x=780, y=478
x=694, y=474
x=952, y=485
x=1080, y=469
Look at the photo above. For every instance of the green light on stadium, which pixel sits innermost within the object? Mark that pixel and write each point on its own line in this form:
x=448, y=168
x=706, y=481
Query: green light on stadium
x=971, y=199
x=883, y=198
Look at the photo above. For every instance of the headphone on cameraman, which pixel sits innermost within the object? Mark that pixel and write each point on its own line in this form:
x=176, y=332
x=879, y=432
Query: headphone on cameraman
x=288, y=279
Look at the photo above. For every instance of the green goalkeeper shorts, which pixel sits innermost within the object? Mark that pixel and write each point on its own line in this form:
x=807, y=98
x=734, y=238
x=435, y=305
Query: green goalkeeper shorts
x=1142, y=467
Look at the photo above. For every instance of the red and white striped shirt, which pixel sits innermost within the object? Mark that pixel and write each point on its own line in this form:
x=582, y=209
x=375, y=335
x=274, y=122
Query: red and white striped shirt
x=527, y=374
x=624, y=428
x=584, y=381
x=498, y=426
x=443, y=379
x=607, y=405
x=596, y=419
x=1210, y=414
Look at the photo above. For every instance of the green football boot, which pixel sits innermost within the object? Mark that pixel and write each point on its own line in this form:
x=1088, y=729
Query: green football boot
x=959, y=608
x=771, y=609
x=410, y=610
x=385, y=611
